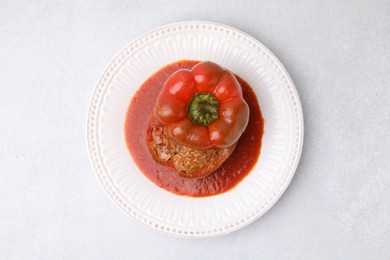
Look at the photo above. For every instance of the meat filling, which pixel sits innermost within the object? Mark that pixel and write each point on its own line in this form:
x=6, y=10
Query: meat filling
x=187, y=162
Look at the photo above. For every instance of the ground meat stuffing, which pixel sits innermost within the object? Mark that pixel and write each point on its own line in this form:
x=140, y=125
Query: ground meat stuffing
x=187, y=162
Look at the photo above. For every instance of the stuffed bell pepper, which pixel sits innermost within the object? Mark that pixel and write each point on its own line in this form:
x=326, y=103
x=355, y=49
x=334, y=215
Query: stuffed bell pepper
x=199, y=116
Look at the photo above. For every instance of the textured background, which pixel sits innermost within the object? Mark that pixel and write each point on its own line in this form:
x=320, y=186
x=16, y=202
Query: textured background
x=338, y=204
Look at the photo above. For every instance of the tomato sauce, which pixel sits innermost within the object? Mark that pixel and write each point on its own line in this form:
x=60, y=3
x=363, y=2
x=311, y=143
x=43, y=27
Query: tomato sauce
x=231, y=172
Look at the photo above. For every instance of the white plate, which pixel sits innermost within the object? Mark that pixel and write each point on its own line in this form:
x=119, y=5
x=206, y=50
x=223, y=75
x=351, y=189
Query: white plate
x=156, y=207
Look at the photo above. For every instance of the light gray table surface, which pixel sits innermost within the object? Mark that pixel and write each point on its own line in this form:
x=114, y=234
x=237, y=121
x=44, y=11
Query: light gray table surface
x=53, y=52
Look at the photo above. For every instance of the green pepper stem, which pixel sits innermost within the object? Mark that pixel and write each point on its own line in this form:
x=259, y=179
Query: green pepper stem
x=203, y=109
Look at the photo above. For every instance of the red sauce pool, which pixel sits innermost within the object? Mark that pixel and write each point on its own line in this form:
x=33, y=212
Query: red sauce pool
x=232, y=171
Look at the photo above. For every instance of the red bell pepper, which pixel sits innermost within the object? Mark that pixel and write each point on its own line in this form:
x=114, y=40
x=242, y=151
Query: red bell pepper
x=203, y=107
